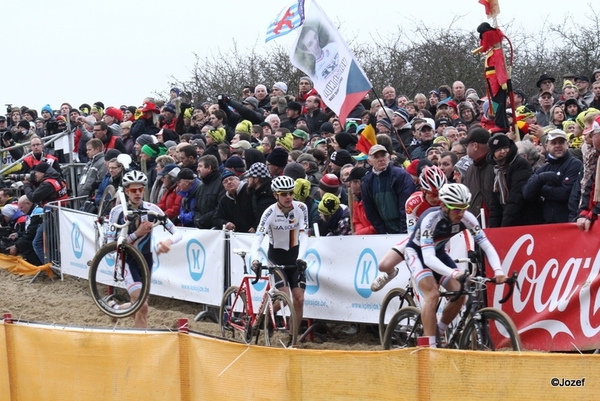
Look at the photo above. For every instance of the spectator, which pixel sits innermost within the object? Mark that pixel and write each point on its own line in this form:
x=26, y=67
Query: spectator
x=209, y=193
x=95, y=170
x=385, y=191
x=108, y=137
x=480, y=173
x=38, y=156
x=234, y=211
x=508, y=207
x=188, y=188
x=552, y=182
x=360, y=223
x=147, y=123
x=334, y=218
x=276, y=161
x=24, y=239
x=169, y=200
x=259, y=185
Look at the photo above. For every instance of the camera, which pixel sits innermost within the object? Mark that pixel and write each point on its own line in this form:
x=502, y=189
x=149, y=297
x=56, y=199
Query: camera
x=8, y=107
x=52, y=127
x=222, y=98
x=7, y=136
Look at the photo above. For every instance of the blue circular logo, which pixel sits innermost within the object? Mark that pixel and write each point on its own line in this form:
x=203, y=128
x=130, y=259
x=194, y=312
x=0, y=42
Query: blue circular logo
x=313, y=260
x=366, y=272
x=77, y=241
x=196, y=258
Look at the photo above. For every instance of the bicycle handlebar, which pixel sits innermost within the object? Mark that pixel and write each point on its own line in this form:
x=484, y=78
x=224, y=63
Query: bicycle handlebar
x=300, y=264
x=160, y=218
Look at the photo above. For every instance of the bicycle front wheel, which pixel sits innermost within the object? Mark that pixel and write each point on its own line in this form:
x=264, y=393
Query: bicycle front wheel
x=404, y=329
x=280, y=321
x=107, y=277
x=490, y=330
x=393, y=301
x=233, y=313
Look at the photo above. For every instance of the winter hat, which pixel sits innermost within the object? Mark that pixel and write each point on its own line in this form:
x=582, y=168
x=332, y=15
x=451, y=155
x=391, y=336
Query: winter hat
x=199, y=143
x=260, y=86
x=186, y=174
x=330, y=183
x=301, y=189
x=176, y=90
x=114, y=113
x=286, y=141
x=227, y=174
x=498, y=141
x=132, y=109
x=170, y=144
x=403, y=113
x=412, y=168
x=24, y=124
x=281, y=86
x=32, y=113
x=385, y=123
x=47, y=108
x=42, y=167
x=252, y=101
x=9, y=210
x=341, y=157
x=278, y=157
x=327, y=127
x=244, y=126
x=294, y=106
x=170, y=108
x=234, y=162
x=294, y=170
x=257, y=170
x=111, y=154
x=329, y=204
x=344, y=139
x=146, y=139
x=150, y=150
x=217, y=134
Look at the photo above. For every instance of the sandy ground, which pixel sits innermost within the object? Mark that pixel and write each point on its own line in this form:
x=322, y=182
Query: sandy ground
x=69, y=303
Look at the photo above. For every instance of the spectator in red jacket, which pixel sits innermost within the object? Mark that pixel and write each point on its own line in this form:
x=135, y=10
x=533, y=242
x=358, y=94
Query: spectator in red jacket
x=170, y=203
x=360, y=223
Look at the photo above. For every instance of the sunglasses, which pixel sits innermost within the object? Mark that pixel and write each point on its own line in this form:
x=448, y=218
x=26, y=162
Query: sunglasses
x=136, y=190
x=458, y=208
x=286, y=193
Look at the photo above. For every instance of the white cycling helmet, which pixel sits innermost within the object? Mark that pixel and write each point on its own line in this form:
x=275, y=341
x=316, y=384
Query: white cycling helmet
x=134, y=177
x=282, y=184
x=455, y=195
x=432, y=178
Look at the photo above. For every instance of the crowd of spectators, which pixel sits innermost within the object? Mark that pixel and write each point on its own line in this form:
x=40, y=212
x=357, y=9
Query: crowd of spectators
x=210, y=165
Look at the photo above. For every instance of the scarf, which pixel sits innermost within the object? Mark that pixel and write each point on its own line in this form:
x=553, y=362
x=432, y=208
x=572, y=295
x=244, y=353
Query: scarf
x=500, y=184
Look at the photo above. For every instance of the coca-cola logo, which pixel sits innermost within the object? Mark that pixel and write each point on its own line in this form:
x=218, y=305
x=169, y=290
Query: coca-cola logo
x=559, y=286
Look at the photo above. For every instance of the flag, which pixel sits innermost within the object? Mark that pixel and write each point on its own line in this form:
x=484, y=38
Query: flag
x=288, y=19
x=492, y=8
x=322, y=54
x=368, y=137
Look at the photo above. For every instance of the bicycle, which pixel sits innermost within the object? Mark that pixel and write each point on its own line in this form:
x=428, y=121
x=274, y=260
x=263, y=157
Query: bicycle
x=394, y=300
x=276, y=312
x=479, y=327
x=108, y=267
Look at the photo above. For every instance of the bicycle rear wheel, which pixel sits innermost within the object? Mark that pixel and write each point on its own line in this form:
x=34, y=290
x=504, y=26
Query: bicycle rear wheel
x=393, y=301
x=404, y=329
x=280, y=321
x=233, y=313
x=490, y=330
x=107, y=276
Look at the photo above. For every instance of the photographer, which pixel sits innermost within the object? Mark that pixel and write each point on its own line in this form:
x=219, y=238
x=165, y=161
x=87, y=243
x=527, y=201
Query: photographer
x=12, y=154
x=246, y=110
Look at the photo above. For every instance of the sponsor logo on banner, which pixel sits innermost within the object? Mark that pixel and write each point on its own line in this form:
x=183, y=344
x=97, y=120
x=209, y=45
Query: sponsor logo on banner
x=196, y=258
x=261, y=284
x=77, y=241
x=557, y=306
x=366, y=271
x=313, y=261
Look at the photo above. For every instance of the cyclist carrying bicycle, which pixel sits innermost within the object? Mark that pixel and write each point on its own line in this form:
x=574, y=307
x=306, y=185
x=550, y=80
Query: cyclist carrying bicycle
x=140, y=229
x=429, y=263
x=286, y=222
x=432, y=178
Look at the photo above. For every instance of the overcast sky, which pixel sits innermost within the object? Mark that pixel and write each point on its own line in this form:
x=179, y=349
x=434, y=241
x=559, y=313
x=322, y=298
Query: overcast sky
x=119, y=51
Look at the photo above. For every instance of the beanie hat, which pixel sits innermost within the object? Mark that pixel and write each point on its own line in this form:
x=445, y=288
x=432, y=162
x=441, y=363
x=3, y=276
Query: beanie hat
x=294, y=170
x=344, y=139
x=307, y=78
x=170, y=108
x=287, y=141
x=278, y=157
x=235, y=162
x=341, y=157
x=186, y=174
x=403, y=113
x=176, y=90
x=217, y=134
x=244, y=126
x=150, y=150
x=32, y=113
x=260, y=86
x=301, y=189
x=281, y=86
x=114, y=113
x=132, y=109
x=330, y=183
x=498, y=141
x=329, y=204
x=294, y=106
x=146, y=139
x=47, y=108
x=227, y=174
x=97, y=108
x=327, y=127
x=412, y=168
x=42, y=167
x=111, y=154
x=9, y=210
x=24, y=124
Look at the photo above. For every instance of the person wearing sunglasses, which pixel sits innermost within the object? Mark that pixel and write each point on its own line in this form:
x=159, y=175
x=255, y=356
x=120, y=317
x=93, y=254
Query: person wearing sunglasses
x=286, y=221
x=429, y=263
x=140, y=229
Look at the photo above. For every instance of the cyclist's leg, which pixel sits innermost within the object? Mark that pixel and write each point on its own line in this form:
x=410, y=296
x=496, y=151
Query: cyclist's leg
x=451, y=309
x=387, y=265
x=134, y=286
x=428, y=286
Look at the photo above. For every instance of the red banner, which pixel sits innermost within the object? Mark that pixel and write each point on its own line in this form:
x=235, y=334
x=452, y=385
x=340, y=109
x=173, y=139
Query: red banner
x=558, y=266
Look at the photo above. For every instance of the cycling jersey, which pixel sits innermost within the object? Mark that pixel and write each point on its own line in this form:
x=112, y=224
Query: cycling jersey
x=287, y=232
x=434, y=230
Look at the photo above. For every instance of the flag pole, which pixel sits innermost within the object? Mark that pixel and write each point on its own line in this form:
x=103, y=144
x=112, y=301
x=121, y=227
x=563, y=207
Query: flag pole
x=393, y=128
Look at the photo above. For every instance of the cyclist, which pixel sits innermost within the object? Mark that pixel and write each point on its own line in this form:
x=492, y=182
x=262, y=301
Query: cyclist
x=140, y=229
x=286, y=222
x=432, y=178
x=431, y=266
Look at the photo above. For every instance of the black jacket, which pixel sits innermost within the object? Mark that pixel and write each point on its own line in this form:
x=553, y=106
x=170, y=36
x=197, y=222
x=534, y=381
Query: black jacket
x=236, y=210
x=207, y=200
x=262, y=198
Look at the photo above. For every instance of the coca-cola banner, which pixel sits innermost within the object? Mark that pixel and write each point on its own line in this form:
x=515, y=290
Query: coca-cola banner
x=558, y=269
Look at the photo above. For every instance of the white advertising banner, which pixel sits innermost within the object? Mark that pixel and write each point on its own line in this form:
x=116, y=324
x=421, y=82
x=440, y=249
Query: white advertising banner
x=193, y=269
x=339, y=274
